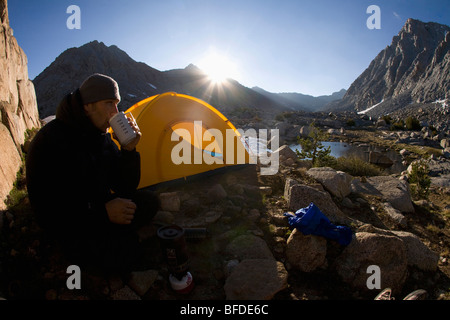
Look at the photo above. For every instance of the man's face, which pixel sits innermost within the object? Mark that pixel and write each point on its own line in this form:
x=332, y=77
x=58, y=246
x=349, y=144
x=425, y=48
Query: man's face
x=100, y=112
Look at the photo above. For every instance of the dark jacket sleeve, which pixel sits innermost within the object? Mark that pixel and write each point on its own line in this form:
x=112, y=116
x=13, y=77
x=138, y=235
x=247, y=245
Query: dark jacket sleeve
x=124, y=179
x=56, y=186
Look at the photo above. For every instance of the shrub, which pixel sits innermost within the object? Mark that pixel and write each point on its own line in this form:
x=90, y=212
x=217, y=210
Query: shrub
x=433, y=130
x=398, y=125
x=412, y=124
x=283, y=116
x=419, y=180
x=356, y=167
x=280, y=117
x=387, y=119
x=312, y=147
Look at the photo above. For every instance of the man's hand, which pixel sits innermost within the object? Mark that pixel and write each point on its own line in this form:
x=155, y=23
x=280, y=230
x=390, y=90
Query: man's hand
x=133, y=143
x=120, y=211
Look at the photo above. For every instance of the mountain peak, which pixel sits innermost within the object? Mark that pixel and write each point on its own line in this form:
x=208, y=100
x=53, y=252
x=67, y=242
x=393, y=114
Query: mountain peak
x=192, y=68
x=93, y=44
x=412, y=23
x=137, y=81
x=100, y=46
x=419, y=28
x=412, y=69
x=415, y=22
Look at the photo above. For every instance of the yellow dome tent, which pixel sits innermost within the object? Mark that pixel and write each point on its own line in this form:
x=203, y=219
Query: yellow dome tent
x=183, y=136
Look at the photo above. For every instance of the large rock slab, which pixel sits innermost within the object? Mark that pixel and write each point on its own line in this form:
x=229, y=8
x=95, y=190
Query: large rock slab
x=393, y=190
x=170, y=201
x=18, y=106
x=379, y=158
x=368, y=249
x=395, y=215
x=249, y=247
x=285, y=153
x=306, y=252
x=256, y=279
x=141, y=281
x=10, y=164
x=417, y=253
x=335, y=182
x=300, y=196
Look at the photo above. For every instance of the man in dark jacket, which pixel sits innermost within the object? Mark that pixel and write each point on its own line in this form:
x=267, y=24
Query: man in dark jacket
x=81, y=186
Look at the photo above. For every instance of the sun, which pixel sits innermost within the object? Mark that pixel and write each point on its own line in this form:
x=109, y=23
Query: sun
x=218, y=67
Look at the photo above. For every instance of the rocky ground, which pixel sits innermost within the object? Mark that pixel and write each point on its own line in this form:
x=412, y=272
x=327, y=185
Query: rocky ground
x=251, y=251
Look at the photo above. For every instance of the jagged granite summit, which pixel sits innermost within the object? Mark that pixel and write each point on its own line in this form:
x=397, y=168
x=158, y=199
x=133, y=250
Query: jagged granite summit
x=415, y=68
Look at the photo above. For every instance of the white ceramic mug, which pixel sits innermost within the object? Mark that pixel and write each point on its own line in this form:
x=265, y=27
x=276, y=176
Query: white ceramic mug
x=121, y=127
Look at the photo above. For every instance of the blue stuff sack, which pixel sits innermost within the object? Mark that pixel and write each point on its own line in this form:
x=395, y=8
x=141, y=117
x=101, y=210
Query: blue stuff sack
x=311, y=220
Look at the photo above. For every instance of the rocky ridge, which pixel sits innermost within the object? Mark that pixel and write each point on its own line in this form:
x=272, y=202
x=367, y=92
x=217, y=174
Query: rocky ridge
x=414, y=68
x=138, y=81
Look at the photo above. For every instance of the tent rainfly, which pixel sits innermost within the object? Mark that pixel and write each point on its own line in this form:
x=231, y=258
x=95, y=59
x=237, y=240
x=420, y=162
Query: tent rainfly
x=183, y=136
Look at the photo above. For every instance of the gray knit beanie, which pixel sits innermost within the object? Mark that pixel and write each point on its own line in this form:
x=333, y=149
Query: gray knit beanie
x=99, y=87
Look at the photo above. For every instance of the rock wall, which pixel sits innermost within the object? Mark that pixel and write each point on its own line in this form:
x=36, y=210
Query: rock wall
x=18, y=106
x=414, y=68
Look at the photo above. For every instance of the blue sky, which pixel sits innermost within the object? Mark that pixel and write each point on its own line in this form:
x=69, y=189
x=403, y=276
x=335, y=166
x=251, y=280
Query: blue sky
x=313, y=47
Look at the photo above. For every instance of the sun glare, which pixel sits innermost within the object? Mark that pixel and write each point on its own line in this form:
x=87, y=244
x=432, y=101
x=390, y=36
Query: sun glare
x=218, y=67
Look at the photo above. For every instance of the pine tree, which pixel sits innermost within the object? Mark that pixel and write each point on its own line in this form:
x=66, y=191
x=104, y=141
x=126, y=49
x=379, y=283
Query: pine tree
x=313, y=149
